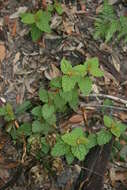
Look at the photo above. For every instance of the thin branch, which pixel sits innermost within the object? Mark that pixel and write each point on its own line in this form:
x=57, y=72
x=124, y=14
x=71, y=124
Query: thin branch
x=117, y=99
x=91, y=106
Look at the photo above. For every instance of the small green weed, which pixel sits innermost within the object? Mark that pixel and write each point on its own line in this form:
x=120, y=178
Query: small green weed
x=7, y=112
x=40, y=21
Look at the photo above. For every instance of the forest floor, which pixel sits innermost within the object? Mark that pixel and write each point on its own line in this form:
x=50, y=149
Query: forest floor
x=25, y=66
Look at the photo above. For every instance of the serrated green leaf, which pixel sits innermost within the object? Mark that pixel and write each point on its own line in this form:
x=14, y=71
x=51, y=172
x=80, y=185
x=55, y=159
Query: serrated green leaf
x=37, y=127
x=51, y=96
x=92, y=63
x=70, y=139
x=51, y=120
x=96, y=72
x=73, y=137
x=56, y=82
x=80, y=70
x=60, y=148
x=79, y=151
x=59, y=102
x=121, y=126
x=85, y=85
x=27, y=18
x=106, y=102
x=42, y=21
x=69, y=157
x=47, y=111
x=9, y=112
x=23, y=107
x=78, y=132
x=36, y=111
x=115, y=131
x=58, y=8
x=43, y=95
x=45, y=146
x=93, y=67
x=66, y=66
x=35, y=33
x=103, y=137
x=67, y=96
x=24, y=129
x=92, y=141
x=2, y=111
x=75, y=99
x=67, y=83
x=82, y=140
x=108, y=121
x=118, y=128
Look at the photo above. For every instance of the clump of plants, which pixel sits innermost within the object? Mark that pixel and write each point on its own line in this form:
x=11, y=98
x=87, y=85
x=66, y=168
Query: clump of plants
x=62, y=95
x=107, y=24
x=39, y=22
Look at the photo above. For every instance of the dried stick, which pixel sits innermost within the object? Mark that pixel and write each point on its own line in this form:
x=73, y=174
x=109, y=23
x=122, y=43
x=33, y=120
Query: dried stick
x=92, y=106
x=117, y=99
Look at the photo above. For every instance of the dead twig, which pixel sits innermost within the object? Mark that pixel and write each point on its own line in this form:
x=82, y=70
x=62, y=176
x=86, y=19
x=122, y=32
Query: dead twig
x=93, y=106
x=24, y=150
x=114, y=98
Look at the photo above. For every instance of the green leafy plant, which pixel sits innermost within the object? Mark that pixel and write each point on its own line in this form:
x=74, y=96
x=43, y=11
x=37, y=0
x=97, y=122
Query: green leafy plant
x=7, y=112
x=115, y=127
x=107, y=24
x=42, y=132
x=38, y=22
x=80, y=75
x=122, y=32
x=57, y=6
x=74, y=144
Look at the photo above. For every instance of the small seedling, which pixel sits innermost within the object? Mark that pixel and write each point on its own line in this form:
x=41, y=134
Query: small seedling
x=40, y=21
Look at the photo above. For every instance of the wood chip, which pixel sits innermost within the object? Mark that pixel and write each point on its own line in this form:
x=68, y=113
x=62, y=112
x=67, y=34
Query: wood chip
x=2, y=52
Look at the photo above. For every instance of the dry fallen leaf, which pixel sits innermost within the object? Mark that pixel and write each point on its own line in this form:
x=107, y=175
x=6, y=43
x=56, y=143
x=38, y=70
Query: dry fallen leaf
x=52, y=73
x=69, y=27
x=17, y=57
x=123, y=116
x=116, y=62
x=2, y=52
x=76, y=118
x=14, y=27
x=117, y=176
